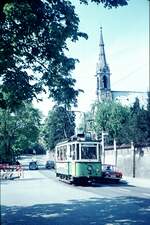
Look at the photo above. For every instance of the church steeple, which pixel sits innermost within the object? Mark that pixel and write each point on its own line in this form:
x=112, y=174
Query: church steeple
x=103, y=74
x=102, y=57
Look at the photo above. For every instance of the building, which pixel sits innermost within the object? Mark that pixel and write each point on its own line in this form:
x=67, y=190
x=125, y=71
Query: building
x=103, y=90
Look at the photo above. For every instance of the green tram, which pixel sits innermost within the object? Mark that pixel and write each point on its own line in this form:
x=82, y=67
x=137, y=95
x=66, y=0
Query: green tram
x=78, y=160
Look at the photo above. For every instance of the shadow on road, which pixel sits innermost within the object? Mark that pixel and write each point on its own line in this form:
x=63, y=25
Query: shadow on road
x=116, y=211
x=51, y=175
x=106, y=183
x=112, y=183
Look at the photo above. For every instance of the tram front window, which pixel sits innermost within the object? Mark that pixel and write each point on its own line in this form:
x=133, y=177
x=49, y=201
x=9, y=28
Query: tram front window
x=88, y=152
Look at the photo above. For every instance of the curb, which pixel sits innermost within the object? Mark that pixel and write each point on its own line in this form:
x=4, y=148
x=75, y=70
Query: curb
x=140, y=182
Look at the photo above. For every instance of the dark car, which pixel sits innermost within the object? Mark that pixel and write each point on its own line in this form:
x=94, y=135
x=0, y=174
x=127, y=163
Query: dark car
x=50, y=164
x=111, y=173
x=33, y=165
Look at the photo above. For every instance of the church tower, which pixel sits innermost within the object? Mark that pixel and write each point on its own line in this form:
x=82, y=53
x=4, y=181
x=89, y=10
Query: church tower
x=103, y=74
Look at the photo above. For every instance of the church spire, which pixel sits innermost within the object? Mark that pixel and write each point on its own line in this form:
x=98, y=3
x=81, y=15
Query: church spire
x=102, y=57
x=103, y=74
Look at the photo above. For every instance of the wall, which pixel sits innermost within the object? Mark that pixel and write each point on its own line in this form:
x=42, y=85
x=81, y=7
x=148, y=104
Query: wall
x=133, y=162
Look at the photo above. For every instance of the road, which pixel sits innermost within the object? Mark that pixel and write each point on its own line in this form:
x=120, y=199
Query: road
x=40, y=199
x=106, y=189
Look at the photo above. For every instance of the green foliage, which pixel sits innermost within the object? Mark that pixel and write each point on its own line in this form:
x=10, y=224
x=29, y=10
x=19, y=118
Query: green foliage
x=113, y=118
x=108, y=3
x=148, y=101
x=103, y=112
x=138, y=124
x=33, y=36
x=59, y=125
x=119, y=122
x=123, y=123
x=33, y=47
x=148, y=117
x=36, y=148
x=18, y=130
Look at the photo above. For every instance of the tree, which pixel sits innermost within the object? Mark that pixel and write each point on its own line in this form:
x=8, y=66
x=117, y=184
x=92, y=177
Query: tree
x=59, y=125
x=123, y=123
x=18, y=131
x=112, y=117
x=119, y=122
x=148, y=117
x=108, y=3
x=138, y=123
x=33, y=43
x=102, y=115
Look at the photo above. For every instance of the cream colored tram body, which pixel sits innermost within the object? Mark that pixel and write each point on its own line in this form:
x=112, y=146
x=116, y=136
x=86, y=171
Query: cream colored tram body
x=78, y=161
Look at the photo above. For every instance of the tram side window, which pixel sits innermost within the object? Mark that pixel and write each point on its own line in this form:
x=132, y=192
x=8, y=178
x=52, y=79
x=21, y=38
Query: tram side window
x=57, y=153
x=99, y=151
x=61, y=153
x=77, y=151
x=72, y=151
x=65, y=152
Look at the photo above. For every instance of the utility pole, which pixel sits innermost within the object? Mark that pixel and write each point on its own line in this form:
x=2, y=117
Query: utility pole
x=133, y=150
x=115, y=152
x=84, y=118
x=103, y=145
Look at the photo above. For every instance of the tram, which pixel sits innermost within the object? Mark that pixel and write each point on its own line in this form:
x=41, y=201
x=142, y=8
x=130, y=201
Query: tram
x=78, y=160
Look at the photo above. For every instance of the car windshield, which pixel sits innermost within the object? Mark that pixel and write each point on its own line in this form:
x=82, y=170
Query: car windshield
x=50, y=162
x=106, y=167
x=33, y=162
x=88, y=152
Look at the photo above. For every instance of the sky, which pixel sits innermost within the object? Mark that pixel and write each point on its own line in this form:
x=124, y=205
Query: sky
x=126, y=39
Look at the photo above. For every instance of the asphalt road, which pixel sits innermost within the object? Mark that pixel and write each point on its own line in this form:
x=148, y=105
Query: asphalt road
x=40, y=199
x=106, y=189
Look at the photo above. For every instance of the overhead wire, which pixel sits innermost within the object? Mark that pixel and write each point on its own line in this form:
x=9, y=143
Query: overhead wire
x=129, y=74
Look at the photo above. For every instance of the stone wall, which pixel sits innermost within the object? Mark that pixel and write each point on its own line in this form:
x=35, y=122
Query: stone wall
x=133, y=162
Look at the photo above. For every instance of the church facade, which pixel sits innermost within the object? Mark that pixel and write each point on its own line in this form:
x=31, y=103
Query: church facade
x=103, y=90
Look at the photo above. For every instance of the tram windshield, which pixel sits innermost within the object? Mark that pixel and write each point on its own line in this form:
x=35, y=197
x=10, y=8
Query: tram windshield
x=88, y=152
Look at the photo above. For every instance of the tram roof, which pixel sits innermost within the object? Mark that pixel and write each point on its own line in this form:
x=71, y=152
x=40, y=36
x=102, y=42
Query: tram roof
x=83, y=137
x=77, y=141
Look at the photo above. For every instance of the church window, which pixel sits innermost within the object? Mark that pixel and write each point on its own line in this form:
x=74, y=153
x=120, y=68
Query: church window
x=97, y=83
x=105, y=81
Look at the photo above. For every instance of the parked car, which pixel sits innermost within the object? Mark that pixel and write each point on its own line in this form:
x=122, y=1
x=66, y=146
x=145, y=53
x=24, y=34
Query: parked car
x=111, y=173
x=50, y=164
x=33, y=165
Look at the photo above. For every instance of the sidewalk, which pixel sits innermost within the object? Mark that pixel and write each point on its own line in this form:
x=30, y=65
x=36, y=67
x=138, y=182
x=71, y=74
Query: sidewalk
x=139, y=182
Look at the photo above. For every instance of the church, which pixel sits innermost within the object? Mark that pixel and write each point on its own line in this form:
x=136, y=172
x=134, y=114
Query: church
x=103, y=89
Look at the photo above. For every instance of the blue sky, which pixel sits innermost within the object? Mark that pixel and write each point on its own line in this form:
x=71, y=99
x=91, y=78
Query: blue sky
x=126, y=39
